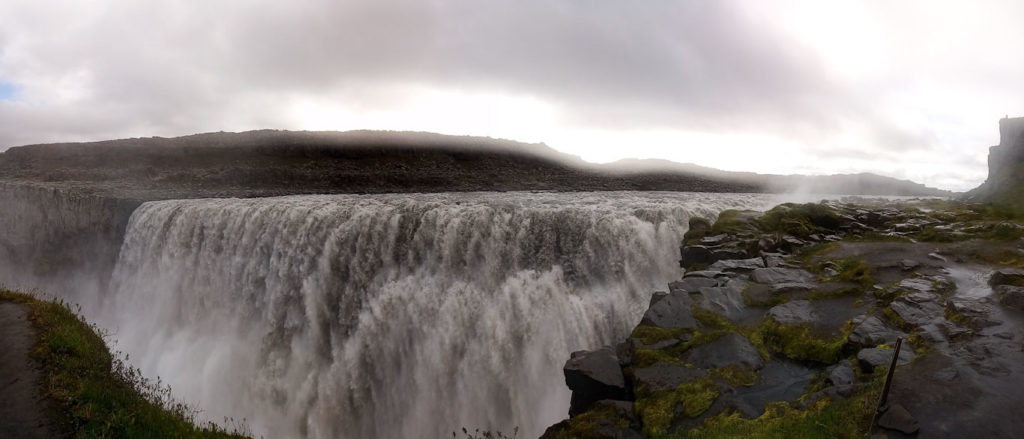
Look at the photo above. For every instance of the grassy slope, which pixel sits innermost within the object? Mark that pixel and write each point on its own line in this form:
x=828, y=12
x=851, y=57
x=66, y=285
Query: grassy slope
x=98, y=395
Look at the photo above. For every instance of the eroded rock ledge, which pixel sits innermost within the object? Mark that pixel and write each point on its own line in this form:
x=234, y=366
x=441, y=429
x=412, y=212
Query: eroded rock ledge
x=783, y=323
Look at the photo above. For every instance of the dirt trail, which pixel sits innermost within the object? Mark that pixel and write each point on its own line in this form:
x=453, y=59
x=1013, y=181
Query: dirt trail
x=23, y=409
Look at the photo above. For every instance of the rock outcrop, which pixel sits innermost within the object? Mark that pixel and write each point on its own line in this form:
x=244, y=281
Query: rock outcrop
x=1005, y=183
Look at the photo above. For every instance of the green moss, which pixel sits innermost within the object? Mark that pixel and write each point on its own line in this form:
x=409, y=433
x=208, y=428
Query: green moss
x=658, y=409
x=896, y=319
x=808, y=252
x=649, y=335
x=673, y=355
x=800, y=220
x=843, y=418
x=710, y=319
x=801, y=343
x=733, y=222
x=735, y=375
x=99, y=395
x=586, y=425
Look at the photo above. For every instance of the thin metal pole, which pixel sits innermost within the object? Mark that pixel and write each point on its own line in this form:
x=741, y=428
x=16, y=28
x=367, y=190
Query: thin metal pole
x=882, y=400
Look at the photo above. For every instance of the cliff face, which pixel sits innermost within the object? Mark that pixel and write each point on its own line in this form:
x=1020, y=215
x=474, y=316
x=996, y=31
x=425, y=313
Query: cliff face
x=1005, y=183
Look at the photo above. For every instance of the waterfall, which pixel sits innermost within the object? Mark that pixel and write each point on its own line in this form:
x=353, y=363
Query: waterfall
x=390, y=316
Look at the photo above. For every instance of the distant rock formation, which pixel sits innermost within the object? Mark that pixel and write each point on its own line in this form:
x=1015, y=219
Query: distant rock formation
x=1005, y=183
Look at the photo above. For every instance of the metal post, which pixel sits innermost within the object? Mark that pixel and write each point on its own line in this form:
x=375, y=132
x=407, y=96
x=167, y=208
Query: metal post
x=882, y=406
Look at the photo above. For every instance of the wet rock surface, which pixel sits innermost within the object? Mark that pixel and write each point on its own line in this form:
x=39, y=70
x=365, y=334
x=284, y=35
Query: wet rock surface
x=769, y=326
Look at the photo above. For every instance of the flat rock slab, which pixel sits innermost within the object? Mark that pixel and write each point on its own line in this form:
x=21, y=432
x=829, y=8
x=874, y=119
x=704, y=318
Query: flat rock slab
x=899, y=419
x=665, y=376
x=731, y=349
x=917, y=312
x=778, y=275
x=738, y=265
x=870, y=358
x=22, y=406
x=792, y=313
x=692, y=284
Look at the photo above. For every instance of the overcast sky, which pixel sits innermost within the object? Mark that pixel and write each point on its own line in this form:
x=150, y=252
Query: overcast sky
x=901, y=88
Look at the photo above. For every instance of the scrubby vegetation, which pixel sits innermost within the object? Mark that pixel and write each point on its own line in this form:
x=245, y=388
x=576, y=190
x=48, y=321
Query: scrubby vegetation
x=99, y=395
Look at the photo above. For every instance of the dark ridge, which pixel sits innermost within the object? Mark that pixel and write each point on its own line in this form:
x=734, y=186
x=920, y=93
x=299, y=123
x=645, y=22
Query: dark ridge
x=264, y=163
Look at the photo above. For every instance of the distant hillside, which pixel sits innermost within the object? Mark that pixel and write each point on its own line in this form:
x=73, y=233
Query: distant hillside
x=270, y=162
x=843, y=184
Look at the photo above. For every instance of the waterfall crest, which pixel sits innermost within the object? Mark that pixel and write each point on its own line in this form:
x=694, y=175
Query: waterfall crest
x=390, y=315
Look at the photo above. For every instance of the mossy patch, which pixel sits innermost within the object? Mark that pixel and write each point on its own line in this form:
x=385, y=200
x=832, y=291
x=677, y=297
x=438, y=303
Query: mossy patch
x=587, y=424
x=649, y=335
x=658, y=409
x=710, y=319
x=801, y=342
x=735, y=375
x=800, y=220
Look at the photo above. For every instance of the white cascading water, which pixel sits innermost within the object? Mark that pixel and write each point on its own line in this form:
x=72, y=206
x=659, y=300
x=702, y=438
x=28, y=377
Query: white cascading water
x=390, y=316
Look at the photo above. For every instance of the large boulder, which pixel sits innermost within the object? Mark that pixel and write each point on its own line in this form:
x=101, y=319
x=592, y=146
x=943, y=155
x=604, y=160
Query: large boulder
x=695, y=254
x=593, y=376
x=1007, y=276
x=731, y=349
x=779, y=275
x=1011, y=296
x=670, y=311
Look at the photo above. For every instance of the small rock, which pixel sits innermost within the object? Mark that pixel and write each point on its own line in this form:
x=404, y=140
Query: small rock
x=714, y=240
x=899, y=419
x=873, y=332
x=828, y=272
x=937, y=257
x=1003, y=335
x=921, y=285
x=870, y=358
x=916, y=311
x=704, y=273
x=842, y=374
x=908, y=264
x=728, y=253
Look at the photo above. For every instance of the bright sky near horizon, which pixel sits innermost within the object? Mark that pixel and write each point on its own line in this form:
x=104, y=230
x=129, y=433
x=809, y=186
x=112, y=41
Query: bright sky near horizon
x=909, y=89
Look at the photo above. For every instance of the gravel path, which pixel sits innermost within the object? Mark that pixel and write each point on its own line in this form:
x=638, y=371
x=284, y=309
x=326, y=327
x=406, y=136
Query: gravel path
x=23, y=410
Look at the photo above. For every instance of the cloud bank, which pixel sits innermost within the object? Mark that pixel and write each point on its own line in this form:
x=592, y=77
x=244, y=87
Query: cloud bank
x=911, y=90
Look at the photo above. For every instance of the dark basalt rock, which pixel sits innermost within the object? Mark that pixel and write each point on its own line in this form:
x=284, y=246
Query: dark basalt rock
x=869, y=359
x=593, y=376
x=778, y=275
x=664, y=376
x=731, y=349
x=899, y=419
x=872, y=332
x=695, y=254
x=738, y=265
x=670, y=311
x=842, y=374
x=692, y=284
x=1011, y=296
x=1007, y=276
x=917, y=309
x=791, y=313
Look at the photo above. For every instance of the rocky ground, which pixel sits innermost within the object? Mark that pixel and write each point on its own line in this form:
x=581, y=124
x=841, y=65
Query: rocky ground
x=784, y=325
